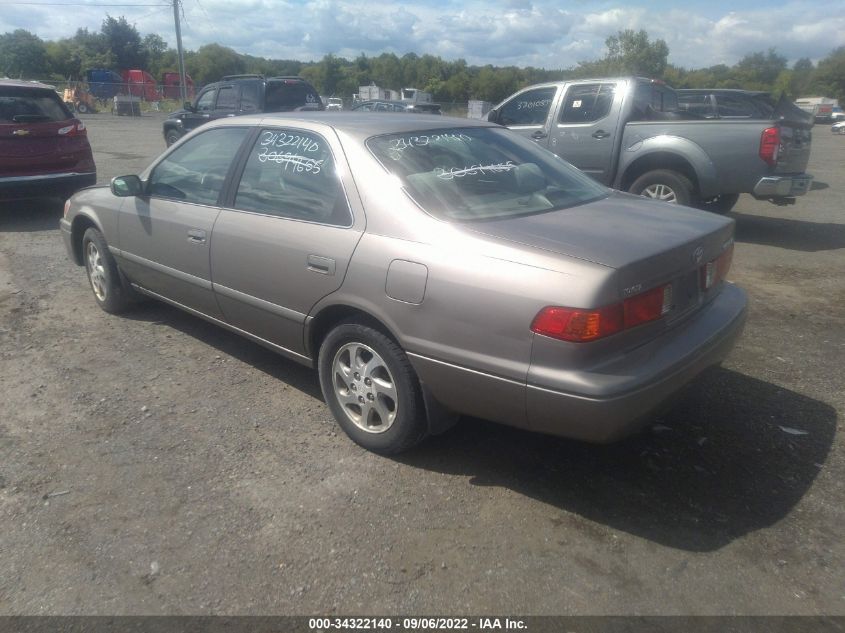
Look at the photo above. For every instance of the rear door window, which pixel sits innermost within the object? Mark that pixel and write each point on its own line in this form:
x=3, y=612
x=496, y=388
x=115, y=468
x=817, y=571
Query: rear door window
x=227, y=99
x=291, y=174
x=586, y=103
x=250, y=96
x=528, y=108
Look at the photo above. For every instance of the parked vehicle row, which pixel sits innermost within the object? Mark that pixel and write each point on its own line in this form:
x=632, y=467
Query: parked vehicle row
x=105, y=84
x=384, y=105
x=630, y=133
x=426, y=266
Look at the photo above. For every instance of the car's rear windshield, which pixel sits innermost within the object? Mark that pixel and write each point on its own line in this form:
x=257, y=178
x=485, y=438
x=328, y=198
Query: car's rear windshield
x=25, y=105
x=466, y=174
x=287, y=95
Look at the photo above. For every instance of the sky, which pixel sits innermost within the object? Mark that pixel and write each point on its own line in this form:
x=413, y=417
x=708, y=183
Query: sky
x=543, y=33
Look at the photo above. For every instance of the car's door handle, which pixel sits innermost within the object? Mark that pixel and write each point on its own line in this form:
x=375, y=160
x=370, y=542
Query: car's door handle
x=322, y=265
x=196, y=236
x=539, y=134
x=600, y=134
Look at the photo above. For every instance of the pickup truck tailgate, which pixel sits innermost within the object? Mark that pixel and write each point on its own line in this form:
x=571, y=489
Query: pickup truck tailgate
x=795, y=138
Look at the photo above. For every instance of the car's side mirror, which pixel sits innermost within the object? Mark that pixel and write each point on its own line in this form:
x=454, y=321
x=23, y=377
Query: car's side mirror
x=493, y=116
x=127, y=186
x=189, y=106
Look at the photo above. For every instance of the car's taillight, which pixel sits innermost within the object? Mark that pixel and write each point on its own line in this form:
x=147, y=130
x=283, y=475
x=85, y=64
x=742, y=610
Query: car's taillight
x=715, y=271
x=75, y=129
x=769, y=145
x=578, y=325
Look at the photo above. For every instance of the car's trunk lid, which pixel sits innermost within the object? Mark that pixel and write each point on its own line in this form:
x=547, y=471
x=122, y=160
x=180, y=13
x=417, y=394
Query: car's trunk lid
x=648, y=243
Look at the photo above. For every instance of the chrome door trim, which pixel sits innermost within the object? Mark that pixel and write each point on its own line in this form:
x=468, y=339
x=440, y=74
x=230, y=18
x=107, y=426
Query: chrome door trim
x=261, y=304
x=205, y=284
x=284, y=351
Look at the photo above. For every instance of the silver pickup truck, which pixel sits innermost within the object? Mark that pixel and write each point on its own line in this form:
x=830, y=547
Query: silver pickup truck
x=628, y=133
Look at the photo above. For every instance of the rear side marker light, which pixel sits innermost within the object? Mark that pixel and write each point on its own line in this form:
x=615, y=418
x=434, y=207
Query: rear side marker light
x=577, y=325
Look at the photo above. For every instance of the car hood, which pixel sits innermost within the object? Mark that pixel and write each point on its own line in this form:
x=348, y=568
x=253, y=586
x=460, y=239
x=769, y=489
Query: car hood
x=617, y=231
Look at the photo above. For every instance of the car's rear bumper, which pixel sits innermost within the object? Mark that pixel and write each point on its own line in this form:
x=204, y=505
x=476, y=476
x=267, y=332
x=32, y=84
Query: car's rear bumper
x=601, y=404
x=783, y=186
x=614, y=400
x=45, y=185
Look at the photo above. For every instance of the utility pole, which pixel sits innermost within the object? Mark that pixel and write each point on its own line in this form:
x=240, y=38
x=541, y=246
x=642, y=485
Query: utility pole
x=182, y=79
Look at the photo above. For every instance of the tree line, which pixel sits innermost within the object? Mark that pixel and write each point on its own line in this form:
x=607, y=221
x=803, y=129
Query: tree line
x=119, y=45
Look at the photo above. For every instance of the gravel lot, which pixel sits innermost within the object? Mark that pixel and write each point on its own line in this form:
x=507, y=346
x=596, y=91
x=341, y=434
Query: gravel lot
x=204, y=474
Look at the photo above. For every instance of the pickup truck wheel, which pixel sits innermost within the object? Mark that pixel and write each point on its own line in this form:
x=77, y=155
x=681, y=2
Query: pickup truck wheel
x=722, y=203
x=82, y=108
x=371, y=389
x=171, y=137
x=664, y=185
x=103, y=275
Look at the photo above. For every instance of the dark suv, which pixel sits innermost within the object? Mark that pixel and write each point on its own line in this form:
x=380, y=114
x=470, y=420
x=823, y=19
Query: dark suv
x=44, y=149
x=242, y=94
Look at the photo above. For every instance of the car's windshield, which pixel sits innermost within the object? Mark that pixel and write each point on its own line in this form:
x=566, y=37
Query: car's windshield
x=481, y=173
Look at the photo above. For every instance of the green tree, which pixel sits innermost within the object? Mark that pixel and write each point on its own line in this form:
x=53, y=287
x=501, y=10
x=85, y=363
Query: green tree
x=124, y=42
x=629, y=52
x=23, y=54
x=759, y=71
x=829, y=79
x=212, y=61
x=155, y=51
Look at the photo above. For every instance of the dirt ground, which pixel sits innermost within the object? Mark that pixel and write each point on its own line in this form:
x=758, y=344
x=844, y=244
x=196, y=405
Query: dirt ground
x=156, y=464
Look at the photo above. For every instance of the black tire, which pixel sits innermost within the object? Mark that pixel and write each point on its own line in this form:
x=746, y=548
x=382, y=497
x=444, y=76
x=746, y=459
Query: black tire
x=82, y=108
x=722, y=203
x=408, y=425
x=171, y=136
x=679, y=185
x=106, y=283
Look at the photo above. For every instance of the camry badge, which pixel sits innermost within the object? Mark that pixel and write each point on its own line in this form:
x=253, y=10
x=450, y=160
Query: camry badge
x=20, y=132
x=698, y=254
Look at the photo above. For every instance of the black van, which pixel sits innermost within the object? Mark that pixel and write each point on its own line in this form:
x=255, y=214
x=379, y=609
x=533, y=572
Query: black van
x=241, y=94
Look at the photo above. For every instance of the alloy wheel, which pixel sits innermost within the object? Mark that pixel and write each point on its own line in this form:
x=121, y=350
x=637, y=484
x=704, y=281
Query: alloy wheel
x=365, y=388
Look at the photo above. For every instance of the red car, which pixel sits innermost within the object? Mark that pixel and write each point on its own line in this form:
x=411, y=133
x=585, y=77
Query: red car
x=44, y=149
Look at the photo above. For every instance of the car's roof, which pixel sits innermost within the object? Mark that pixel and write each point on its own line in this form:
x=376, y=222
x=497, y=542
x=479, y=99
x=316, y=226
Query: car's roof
x=360, y=124
x=19, y=83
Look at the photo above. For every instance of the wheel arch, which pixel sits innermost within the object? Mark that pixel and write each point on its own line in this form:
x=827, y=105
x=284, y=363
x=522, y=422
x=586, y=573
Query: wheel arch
x=80, y=224
x=326, y=317
x=658, y=160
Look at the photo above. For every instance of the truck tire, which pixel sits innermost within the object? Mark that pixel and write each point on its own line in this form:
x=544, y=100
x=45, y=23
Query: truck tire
x=171, y=137
x=722, y=203
x=82, y=107
x=665, y=185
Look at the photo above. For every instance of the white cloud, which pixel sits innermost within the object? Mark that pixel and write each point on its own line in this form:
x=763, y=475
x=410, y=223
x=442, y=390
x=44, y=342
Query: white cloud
x=519, y=32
